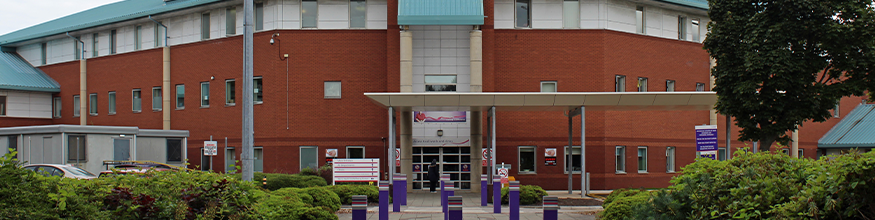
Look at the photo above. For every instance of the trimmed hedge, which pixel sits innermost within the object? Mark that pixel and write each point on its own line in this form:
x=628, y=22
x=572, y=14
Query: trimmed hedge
x=529, y=194
x=277, y=181
x=345, y=192
x=621, y=203
x=292, y=203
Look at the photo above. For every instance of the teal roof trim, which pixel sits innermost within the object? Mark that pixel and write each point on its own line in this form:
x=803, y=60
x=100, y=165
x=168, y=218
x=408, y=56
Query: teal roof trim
x=698, y=4
x=106, y=14
x=857, y=129
x=440, y=12
x=18, y=74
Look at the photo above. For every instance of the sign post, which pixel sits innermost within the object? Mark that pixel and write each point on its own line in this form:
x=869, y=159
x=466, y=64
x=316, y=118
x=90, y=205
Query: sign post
x=211, y=148
x=356, y=170
x=706, y=141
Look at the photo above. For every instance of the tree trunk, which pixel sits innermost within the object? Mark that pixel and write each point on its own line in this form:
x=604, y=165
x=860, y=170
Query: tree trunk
x=766, y=143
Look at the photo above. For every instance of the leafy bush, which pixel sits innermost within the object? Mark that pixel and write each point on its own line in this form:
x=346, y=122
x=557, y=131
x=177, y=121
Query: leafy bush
x=622, y=206
x=277, y=181
x=345, y=192
x=289, y=203
x=619, y=193
x=324, y=197
x=529, y=194
x=845, y=189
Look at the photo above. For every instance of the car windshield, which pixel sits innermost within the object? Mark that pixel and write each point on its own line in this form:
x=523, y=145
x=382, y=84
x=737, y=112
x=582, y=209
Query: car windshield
x=77, y=171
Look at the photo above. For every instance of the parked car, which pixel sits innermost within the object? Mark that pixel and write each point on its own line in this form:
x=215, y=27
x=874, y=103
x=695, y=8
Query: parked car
x=130, y=170
x=62, y=170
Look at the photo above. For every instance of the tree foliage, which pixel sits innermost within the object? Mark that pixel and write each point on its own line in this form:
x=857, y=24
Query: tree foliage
x=784, y=62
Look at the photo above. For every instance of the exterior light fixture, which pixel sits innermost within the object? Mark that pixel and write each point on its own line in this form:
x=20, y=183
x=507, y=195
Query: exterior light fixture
x=440, y=133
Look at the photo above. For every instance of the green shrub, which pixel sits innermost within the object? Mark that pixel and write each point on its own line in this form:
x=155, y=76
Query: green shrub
x=846, y=190
x=345, y=192
x=291, y=203
x=619, y=193
x=621, y=207
x=325, y=198
x=529, y=194
x=277, y=181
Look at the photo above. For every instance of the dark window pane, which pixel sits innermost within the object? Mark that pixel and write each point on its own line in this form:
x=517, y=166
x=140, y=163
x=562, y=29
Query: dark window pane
x=440, y=88
x=174, y=150
x=76, y=143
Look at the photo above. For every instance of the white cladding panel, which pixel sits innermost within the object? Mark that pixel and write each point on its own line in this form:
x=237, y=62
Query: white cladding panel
x=333, y=14
x=377, y=14
x=289, y=14
x=30, y=53
x=21, y=104
x=152, y=148
x=441, y=50
x=547, y=14
x=504, y=14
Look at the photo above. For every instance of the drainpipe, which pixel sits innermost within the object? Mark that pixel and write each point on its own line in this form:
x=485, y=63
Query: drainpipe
x=83, y=84
x=165, y=91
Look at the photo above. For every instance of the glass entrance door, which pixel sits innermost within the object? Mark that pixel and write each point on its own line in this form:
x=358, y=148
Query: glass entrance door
x=455, y=161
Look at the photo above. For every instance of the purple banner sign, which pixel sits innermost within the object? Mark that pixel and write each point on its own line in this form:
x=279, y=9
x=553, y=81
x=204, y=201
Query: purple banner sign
x=706, y=138
x=441, y=117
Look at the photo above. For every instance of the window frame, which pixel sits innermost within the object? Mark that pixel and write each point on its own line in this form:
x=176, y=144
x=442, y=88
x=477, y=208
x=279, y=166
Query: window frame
x=258, y=87
x=620, y=159
x=205, y=26
x=230, y=92
x=315, y=15
x=355, y=147
x=179, y=99
x=76, y=54
x=57, y=104
x=168, y=150
x=95, y=44
x=83, y=142
x=44, y=53
x=3, y=101
x=301, y=154
x=92, y=104
x=565, y=160
x=520, y=159
x=325, y=90
x=619, y=83
x=158, y=34
x=670, y=85
x=642, y=87
x=77, y=106
x=721, y=152
x=135, y=100
x=836, y=112
x=700, y=87
x=645, y=170
x=159, y=100
x=256, y=157
x=695, y=26
x=555, y=85
x=365, y=19
x=205, y=97
x=528, y=16
x=670, y=159
x=231, y=21
x=111, y=103
x=455, y=84
x=113, y=36
x=640, y=21
x=682, y=27
x=232, y=152
x=259, y=16
x=138, y=31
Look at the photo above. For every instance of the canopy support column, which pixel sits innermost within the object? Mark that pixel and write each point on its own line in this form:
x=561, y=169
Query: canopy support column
x=583, y=180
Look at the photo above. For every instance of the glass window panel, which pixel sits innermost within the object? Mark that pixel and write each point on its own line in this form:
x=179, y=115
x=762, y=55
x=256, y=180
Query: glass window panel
x=548, y=86
x=357, y=13
x=56, y=104
x=466, y=159
x=156, y=99
x=230, y=160
x=721, y=153
x=94, y=38
x=205, y=26
x=111, y=103
x=642, y=84
x=527, y=160
x=523, y=13
x=465, y=150
x=451, y=159
x=440, y=79
x=682, y=28
x=258, y=94
x=670, y=159
x=451, y=167
x=205, y=94
x=137, y=38
x=451, y=150
x=571, y=14
x=355, y=152
x=669, y=85
x=229, y=92
x=309, y=157
x=92, y=104
x=700, y=87
x=440, y=88
x=642, y=159
x=231, y=21
x=417, y=159
x=136, y=100
x=574, y=158
x=639, y=19
x=259, y=16
x=620, y=159
x=76, y=148
x=259, y=160
x=76, y=52
x=112, y=42
x=180, y=96
x=430, y=150
x=333, y=90
x=620, y=83
x=309, y=10
x=76, y=106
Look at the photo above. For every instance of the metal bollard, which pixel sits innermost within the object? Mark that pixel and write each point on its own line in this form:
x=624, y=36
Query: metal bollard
x=513, y=198
x=483, y=191
x=444, y=179
x=496, y=194
x=455, y=208
x=551, y=208
x=400, y=191
x=359, y=207
x=450, y=191
x=384, y=200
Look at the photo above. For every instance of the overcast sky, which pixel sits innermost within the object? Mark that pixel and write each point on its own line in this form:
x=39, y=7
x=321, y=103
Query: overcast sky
x=19, y=14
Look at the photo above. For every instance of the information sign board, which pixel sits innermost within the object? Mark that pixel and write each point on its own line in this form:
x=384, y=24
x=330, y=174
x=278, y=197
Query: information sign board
x=356, y=170
x=211, y=148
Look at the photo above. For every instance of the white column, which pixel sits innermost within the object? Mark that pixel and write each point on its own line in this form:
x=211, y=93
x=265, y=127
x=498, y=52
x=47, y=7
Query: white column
x=476, y=61
x=406, y=62
x=407, y=147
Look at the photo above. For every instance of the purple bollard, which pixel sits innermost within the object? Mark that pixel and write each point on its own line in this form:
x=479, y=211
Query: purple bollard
x=455, y=209
x=444, y=179
x=384, y=200
x=551, y=208
x=483, y=190
x=513, y=199
x=399, y=181
x=359, y=207
x=496, y=194
x=450, y=189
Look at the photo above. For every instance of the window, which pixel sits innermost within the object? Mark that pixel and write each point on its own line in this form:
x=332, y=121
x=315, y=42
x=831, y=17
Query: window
x=620, y=159
x=76, y=148
x=669, y=85
x=523, y=13
x=357, y=13
x=205, y=94
x=137, y=99
x=230, y=21
x=259, y=16
x=12, y=143
x=700, y=87
x=682, y=28
x=3, y=105
x=572, y=155
x=309, y=157
x=94, y=44
x=258, y=155
x=258, y=94
x=76, y=48
x=138, y=31
x=174, y=150
x=642, y=84
x=721, y=153
x=642, y=159
x=156, y=99
x=56, y=106
x=92, y=104
x=158, y=35
x=229, y=92
x=639, y=19
x=835, y=112
x=571, y=13
x=206, y=161
x=205, y=26
x=112, y=42
x=440, y=83
x=111, y=102
x=669, y=159
x=309, y=10
x=800, y=153
x=548, y=86
x=620, y=83
x=76, y=106
x=230, y=160
x=332, y=89
x=355, y=152
x=695, y=30
x=527, y=159
x=43, y=53
x=180, y=96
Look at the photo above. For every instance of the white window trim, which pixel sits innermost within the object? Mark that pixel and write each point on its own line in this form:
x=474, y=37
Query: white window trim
x=301, y=152
x=141, y=100
x=673, y=85
x=114, y=103
x=642, y=88
x=671, y=160
x=646, y=162
x=204, y=97
x=623, y=163
x=565, y=160
x=643, y=19
x=302, y=14
x=160, y=96
x=617, y=80
x=563, y=14
x=520, y=160
x=555, y=85
x=356, y=147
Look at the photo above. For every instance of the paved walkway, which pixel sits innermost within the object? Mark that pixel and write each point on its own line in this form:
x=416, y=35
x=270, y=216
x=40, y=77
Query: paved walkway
x=428, y=206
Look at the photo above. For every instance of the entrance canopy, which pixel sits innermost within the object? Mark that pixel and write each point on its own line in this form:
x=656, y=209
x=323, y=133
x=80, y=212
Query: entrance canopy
x=555, y=101
x=440, y=12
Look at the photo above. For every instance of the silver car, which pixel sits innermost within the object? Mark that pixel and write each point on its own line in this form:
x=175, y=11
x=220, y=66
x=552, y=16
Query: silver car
x=62, y=170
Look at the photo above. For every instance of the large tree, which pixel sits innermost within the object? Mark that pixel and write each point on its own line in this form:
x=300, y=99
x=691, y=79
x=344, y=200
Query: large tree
x=784, y=62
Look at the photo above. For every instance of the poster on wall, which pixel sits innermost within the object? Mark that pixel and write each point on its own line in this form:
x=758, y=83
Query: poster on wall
x=706, y=141
x=550, y=157
x=440, y=117
x=330, y=154
x=397, y=157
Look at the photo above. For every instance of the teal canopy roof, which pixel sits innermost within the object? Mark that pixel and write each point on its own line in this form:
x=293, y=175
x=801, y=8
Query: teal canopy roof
x=698, y=4
x=106, y=14
x=440, y=12
x=857, y=129
x=17, y=74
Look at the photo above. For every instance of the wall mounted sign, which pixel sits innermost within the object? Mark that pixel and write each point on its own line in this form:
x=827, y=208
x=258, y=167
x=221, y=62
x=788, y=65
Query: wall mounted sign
x=550, y=157
x=706, y=141
x=440, y=117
